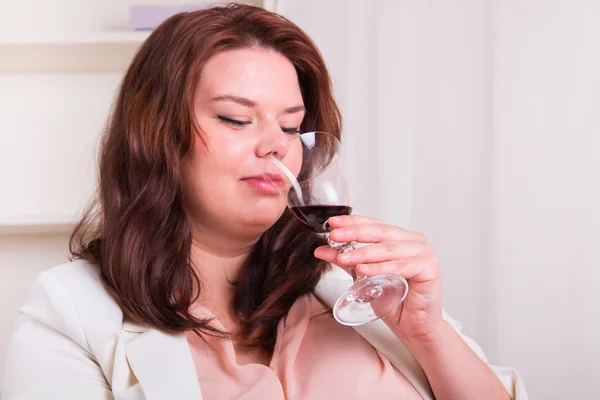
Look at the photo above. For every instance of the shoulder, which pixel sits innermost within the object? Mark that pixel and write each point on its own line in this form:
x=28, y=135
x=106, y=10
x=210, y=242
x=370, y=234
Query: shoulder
x=79, y=280
x=72, y=299
x=71, y=323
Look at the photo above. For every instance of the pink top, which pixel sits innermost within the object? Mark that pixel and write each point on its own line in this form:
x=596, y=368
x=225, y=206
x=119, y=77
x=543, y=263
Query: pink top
x=315, y=357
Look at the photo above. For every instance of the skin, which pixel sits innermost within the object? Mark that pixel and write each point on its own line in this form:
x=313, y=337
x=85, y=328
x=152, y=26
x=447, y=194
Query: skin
x=229, y=215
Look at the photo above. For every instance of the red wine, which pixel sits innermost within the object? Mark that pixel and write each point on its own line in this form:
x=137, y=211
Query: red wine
x=314, y=217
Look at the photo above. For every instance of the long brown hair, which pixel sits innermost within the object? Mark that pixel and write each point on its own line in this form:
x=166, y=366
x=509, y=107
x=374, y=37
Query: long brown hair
x=137, y=232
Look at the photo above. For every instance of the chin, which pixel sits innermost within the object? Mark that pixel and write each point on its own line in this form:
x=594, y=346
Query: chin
x=263, y=218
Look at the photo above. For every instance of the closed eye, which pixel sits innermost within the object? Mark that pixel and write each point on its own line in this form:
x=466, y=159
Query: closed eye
x=236, y=122
x=291, y=130
x=233, y=121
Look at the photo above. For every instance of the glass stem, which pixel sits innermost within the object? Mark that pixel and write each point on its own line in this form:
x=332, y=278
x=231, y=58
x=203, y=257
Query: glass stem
x=344, y=248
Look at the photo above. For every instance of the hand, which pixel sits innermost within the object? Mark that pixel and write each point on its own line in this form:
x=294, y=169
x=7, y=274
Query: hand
x=394, y=251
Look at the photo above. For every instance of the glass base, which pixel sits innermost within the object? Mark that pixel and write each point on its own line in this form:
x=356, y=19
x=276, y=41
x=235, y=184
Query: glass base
x=370, y=299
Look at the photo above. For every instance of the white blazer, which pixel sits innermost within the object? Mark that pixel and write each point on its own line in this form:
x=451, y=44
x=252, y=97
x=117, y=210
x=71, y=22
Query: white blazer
x=71, y=341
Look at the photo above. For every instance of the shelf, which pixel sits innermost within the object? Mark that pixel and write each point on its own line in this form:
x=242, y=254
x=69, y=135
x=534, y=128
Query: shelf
x=109, y=51
x=96, y=52
x=34, y=224
x=108, y=37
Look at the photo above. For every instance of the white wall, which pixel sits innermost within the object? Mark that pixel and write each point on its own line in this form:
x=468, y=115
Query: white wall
x=545, y=192
x=50, y=123
x=33, y=18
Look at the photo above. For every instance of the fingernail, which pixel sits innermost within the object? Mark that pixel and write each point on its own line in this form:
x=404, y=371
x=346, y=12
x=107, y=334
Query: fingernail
x=338, y=233
x=346, y=256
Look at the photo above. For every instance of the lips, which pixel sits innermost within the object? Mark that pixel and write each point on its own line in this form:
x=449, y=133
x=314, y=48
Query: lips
x=261, y=184
x=275, y=179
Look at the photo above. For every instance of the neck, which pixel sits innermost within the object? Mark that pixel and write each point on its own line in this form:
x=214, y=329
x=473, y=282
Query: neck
x=218, y=260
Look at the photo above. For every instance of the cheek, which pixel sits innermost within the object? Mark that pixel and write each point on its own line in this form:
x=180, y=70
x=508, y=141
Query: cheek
x=204, y=172
x=225, y=157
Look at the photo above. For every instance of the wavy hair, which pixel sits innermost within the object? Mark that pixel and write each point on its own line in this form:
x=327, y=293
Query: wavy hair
x=137, y=232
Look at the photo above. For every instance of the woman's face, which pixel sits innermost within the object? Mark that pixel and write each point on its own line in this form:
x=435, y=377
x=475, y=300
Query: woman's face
x=248, y=106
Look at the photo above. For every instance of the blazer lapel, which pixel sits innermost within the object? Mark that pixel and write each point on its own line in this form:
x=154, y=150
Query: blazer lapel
x=330, y=288
x=162, y=363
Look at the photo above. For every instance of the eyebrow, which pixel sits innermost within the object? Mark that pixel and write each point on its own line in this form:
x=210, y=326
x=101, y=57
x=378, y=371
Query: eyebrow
x=250, y=103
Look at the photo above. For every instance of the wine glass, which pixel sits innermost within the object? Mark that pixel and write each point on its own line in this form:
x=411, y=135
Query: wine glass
x=317, y=193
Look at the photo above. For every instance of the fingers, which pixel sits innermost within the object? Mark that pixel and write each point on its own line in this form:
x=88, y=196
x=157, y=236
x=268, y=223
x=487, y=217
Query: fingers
x=343, y=220
x=326, y=253
x=370, y=233
x=392, y=250
x=357, y=228
x=381, y=252
x=412, y=260
x=417, y=270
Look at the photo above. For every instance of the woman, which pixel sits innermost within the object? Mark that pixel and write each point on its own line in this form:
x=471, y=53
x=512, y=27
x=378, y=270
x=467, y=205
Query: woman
x=191, y=280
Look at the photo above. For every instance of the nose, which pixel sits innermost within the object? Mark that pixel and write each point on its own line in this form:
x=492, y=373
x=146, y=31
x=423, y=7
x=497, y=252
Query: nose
x=274, y=142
